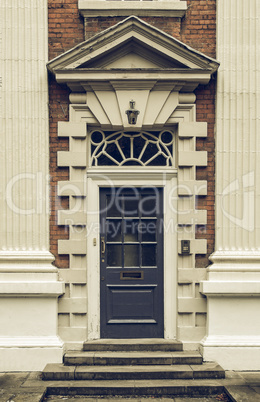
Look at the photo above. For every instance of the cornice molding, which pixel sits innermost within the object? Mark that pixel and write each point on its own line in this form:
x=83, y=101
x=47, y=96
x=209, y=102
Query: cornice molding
x=30, y=342
x=124, y=173
x=230, y=288
x=31, y=289
x=231, y=341
x=235, y=261
x=83, y=77
x=27, y=261
x=97, y=8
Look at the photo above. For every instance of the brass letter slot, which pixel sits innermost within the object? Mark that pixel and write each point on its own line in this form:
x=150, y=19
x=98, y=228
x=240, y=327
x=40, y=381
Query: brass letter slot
x=132, y=275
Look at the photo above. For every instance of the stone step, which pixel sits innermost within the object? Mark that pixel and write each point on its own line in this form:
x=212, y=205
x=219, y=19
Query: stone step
x=59, y=372
x=153, y=388
x=131, y=358
x=137, y=345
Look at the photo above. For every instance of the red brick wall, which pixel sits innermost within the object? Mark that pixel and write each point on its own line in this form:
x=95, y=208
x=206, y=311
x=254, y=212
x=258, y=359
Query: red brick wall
x=205, y=105
x=66, y=26
x=198, y=28
x=66, y=29
x=169, y=25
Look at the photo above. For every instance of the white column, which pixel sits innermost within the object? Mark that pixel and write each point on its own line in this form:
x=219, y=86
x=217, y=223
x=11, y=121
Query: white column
x=29, y=286
x=233, y=286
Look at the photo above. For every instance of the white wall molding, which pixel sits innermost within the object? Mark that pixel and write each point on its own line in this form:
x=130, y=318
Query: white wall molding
x=140, y=174
x=239, y=261
x=31, y=288
x=30, y=342
x=231, y=288
x=26, y=261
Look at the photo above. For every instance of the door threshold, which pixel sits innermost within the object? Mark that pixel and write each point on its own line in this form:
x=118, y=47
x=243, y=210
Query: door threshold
x=132, y=341
x=140, y=344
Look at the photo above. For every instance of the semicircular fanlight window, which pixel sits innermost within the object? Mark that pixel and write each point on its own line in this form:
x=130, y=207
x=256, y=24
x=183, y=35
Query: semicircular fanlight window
x=132, y=148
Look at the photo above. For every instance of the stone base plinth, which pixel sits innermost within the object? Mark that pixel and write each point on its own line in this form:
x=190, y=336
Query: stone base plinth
x=29, y=313
x=233, y=327
x=29, y=354
x=240, y=357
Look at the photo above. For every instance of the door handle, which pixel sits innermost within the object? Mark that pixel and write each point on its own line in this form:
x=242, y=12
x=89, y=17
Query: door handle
x=103, y=245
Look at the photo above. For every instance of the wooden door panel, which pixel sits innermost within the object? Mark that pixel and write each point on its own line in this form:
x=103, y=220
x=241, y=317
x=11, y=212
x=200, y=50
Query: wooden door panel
x=131, y=255
x=129, y=303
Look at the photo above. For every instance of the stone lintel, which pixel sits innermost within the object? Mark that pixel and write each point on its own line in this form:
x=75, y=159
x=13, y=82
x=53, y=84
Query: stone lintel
x=89, y=8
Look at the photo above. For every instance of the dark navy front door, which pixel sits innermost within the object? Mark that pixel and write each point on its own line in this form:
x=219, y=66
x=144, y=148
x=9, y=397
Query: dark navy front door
x=131, y=255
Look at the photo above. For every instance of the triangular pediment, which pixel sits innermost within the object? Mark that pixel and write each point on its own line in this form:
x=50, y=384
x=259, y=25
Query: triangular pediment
x=132, y=44
x=130, y=60
x=133, y=54
x=135, y=61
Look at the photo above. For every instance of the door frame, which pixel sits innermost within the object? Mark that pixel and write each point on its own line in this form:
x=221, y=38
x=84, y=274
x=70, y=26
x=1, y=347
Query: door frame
x=116, y=177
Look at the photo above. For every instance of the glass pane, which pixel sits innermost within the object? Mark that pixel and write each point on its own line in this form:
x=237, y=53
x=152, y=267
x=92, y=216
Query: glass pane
x=114, y=255
x=112, y=150
x=131, y=207
x=103, y=160
x=124, y=143
x=131, y=255
x=167, y=137
x=139, y=143
x=131, y=163
x=114, y=206
x=150, y=151
x=148, y=230
x=148, y=255
x=160, y=160
x=114, y=230
x=148, y=206
x=131, y=230
x=97, y=137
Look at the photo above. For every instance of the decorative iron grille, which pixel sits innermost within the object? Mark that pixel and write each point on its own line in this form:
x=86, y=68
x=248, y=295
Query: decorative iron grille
x=132, y=148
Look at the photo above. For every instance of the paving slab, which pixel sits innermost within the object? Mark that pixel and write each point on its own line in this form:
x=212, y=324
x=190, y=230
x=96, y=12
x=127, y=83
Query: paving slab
x=12, y=380
x=251, y=377
x=200, y=399
x=22, y=397
x=59, y=398
x=242, y=394
x=234, y=375
x=256, y=389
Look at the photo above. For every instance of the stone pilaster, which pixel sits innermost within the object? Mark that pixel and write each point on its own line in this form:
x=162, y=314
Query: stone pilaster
x=233, y=286
x=29, y=285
